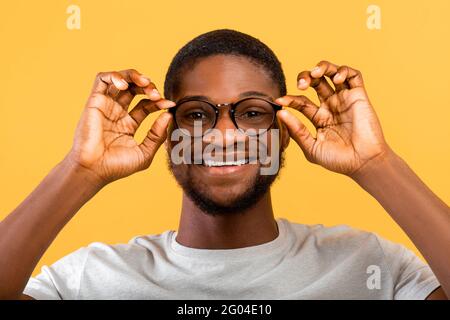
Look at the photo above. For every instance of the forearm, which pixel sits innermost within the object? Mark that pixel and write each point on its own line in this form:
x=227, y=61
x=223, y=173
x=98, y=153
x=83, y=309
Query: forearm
x=419, y=212
x=28, y=231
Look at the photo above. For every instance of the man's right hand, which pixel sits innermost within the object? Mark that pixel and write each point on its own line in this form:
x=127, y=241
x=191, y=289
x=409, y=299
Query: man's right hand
x=104, y=139
x=103, y=150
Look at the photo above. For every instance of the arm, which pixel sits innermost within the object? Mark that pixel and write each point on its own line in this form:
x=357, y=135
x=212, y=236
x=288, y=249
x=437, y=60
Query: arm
x=350, y=141
x=418, y=211
x=29, y=230
x=104, y=150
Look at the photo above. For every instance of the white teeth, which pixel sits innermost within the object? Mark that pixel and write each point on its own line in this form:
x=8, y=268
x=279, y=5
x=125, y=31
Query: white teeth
x=212, y=163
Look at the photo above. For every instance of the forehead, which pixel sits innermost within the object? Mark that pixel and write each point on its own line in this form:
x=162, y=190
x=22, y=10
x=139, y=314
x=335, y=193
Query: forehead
x=223, y=78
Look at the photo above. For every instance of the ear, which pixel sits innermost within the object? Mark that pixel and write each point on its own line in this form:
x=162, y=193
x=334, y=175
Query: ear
x=169, y=134
x=166, y=145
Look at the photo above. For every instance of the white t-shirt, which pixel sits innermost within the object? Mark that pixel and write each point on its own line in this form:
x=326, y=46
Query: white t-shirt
x=303, y=262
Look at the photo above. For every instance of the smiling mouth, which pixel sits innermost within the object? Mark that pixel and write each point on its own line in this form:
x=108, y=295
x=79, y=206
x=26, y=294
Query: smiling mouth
x=212, y=163
x=239, y=162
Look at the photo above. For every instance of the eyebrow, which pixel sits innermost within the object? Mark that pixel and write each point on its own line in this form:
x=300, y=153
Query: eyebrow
x=241, y=95
x=255, y=93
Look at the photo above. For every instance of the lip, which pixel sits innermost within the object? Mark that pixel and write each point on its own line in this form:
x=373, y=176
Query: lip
x=224, y=157
x=223, y=171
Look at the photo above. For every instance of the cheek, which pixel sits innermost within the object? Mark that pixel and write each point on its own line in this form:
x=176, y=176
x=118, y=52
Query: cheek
x=271, y=144
x=181, y=174
x=180, y=148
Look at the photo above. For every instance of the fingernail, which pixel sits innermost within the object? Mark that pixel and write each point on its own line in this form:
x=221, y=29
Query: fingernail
x=124, y=82
x=147, y=79
x=283, y=113
x=155, y=93
x=170, y=104
x=166, y=115
x=283, y=101
x=301, y=82
x=316, y=68
x=336, y=76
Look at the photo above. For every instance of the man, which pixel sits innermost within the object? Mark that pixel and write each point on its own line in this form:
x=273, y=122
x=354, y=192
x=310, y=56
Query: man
x=229, y=246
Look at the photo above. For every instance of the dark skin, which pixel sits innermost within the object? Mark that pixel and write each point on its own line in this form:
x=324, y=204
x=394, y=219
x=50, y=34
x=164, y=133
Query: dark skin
x=226, y=79
x=349, y=141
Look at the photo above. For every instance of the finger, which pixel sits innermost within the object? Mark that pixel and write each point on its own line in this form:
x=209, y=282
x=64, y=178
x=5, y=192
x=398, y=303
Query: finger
x=155, y=136
x=137, y=83
x=112, y=91
x=117, y=80
x=349, y=77
x=140, y=84
x=125, y=97
x=105, y=79
x=339, y=79
x=320, y=85
x=324, y=68
x=303, y=80
x=111, y=83
x=302, y=104
x=110, y=109
x=133, y=76
x=330, y=70
x=146, y=106
x=298, y=131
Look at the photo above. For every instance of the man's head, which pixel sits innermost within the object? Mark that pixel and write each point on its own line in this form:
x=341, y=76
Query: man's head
x=223, y=66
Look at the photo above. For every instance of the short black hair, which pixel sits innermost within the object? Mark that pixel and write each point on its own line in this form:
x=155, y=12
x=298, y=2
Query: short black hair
x=223, y=41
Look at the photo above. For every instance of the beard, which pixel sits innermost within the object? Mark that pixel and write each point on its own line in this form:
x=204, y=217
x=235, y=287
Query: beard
x=199, y=193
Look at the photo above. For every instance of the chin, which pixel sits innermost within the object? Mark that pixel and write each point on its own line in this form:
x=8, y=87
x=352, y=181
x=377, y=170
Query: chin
x=222, y=191
x=226, y=196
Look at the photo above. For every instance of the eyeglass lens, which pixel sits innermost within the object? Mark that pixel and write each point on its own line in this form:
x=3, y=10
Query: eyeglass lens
x=252, y=113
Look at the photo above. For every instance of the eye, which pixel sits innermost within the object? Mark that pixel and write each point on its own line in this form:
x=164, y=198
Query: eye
x=251, y=114
x=196, y=115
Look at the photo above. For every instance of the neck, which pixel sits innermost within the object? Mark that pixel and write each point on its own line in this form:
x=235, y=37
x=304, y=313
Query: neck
x=249, y=228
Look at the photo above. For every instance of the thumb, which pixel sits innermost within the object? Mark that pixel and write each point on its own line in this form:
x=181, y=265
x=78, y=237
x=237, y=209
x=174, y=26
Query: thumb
x=155, y=136
x=298, y=131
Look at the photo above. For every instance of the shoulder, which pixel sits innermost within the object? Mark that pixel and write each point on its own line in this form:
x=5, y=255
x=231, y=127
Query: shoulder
x=341, y=242
x=139, y=247
x=333, y=236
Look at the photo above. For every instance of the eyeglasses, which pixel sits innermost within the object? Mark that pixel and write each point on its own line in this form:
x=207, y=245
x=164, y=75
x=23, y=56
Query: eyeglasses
x=250, y=115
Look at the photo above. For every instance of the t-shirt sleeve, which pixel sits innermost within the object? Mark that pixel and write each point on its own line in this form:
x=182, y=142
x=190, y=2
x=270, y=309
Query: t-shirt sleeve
x=59, y=281
x=413, y=279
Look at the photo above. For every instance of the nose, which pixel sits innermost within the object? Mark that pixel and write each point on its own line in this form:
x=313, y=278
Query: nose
x=229, y=133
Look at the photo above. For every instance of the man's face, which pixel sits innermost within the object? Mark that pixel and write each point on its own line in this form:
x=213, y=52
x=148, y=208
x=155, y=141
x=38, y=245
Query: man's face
x=228, y=188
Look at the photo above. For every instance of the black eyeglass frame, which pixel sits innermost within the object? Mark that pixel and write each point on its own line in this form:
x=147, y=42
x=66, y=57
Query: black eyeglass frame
x=232, y=110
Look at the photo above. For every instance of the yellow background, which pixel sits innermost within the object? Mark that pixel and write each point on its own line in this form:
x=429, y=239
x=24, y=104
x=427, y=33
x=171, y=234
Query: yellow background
x=47, y=72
